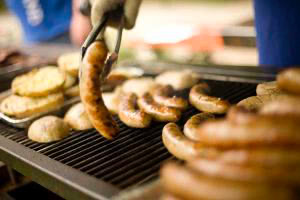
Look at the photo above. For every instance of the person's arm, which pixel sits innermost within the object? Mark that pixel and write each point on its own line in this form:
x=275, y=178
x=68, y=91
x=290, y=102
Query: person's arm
x=278, y=26
x=80, y=24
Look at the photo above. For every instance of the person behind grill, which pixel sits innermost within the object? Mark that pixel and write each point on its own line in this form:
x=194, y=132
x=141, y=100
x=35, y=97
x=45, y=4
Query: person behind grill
x=50, y=21
x=277, y=26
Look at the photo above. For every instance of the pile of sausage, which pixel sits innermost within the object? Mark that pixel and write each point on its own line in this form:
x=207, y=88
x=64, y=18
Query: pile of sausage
x=139, y=101
x=251, y=154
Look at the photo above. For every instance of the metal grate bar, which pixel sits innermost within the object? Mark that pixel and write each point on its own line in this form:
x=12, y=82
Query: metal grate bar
x=69, y=140
x=67, y=147
x=100, y=147
x=114, y=151
x=129, y=163
x=139, y=173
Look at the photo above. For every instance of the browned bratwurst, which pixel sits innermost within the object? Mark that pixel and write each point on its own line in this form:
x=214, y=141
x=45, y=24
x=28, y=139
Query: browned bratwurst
x=90, y=93
x=288, y=105
x=255, y=174
x=266, y=157
x=202, y=101
x=182, y=147
x=157, y=111
x=191, y=126
x=185, y=182
x=261, y=130
x=289, y=80
x=163, y=94
x=129, y=113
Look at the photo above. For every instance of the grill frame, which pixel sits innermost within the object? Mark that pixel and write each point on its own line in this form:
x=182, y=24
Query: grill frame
x=71, y=183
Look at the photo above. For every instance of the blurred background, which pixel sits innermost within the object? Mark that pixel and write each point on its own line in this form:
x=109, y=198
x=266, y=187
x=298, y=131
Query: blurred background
x=184, y=31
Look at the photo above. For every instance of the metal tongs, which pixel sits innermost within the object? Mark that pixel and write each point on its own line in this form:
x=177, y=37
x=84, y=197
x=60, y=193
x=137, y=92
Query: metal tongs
x=113, y=57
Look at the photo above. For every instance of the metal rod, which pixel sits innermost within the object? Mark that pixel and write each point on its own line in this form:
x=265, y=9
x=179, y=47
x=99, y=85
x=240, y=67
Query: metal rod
x=93, y=35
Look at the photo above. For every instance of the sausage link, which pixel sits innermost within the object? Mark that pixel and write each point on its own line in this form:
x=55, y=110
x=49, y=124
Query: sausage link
x=191, y=126
x=164, y=96
x=182, y=147
x=130, y=115
x=254, y=174
x=202, y=101
x=187, y=183
x=289, y=80
x=157, y=111
x=258, y=131
x=90, y=93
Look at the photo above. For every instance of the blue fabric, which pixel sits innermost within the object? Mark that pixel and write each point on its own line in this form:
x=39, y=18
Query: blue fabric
x=278, y=32
x=42, y=20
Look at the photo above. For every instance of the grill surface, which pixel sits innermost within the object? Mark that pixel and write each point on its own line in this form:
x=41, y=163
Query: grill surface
x=133, y=158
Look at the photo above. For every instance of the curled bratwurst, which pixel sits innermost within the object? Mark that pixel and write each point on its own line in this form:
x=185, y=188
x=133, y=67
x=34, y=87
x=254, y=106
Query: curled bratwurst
x=90, y=93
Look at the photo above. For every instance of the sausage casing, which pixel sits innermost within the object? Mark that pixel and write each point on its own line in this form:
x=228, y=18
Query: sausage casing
x=157, y=111
x=289, y=80
x=182, y=147
x=130, y=115
x=199, y=98
x=187, y=183
x=164, y=96
x=255, y=174
x=258, y=131
x=191, y=126
x=90, y=93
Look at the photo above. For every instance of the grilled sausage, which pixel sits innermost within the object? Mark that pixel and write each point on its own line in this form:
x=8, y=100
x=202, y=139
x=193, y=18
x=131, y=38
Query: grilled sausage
x=284, y=106
x=129, y=113
x=268, y=88
x=90, y=93
x=256, y=102
x=258, y=131
x=289, y=80
x=182, y=147
x=164, y=96
x=255, y=174
x=202, y=101
x=261, y=157
x=191, y=126
x=157, y=111
x=240, y=115
x=187, y=183
x=170, y=197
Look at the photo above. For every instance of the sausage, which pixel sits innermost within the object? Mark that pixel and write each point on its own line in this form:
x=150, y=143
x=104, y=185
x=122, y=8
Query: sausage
x=256, y=102
x=187, y=183
x=157, y=111
x=163, y=95
x=260, y=157
x=289, y=80
x=255, y=174
x=259, y=131
x=129, y=113
x=170, y=197
x=182, y=147
x=240, y=115
x=191, y=126
x=268, y=88
x=284, y=106
x=199, y=98
x=90, y=93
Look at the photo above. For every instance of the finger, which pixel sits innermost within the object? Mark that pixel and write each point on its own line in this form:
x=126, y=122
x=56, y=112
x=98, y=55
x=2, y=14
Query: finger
x=131, y=9
x=100, y=7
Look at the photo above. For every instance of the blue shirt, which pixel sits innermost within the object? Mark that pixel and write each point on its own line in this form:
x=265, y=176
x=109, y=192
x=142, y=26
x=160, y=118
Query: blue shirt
x=278, y=32
x=42, y=20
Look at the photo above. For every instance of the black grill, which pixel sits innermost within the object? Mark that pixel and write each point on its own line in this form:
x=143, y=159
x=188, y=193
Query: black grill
x=133, y=158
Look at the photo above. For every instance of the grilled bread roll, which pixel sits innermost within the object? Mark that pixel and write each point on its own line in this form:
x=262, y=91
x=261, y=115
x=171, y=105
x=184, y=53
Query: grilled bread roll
x=48, y=129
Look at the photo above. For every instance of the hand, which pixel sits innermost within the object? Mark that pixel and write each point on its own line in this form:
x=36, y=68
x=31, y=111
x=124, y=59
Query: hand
x=101, y=7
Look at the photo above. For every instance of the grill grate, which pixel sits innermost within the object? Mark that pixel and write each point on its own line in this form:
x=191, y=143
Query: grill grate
x=133, y=158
